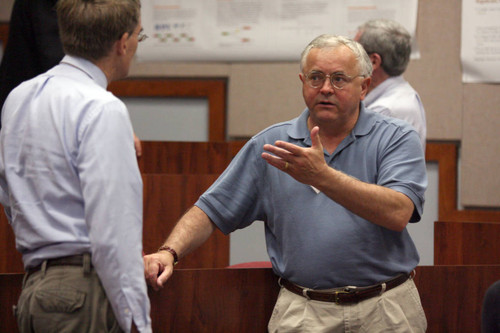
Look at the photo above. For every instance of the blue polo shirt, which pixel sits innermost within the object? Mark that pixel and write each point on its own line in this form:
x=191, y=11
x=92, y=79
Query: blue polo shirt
x=311, y=240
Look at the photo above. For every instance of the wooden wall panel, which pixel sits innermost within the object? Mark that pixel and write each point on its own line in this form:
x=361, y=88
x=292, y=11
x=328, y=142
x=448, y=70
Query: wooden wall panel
x=166, y=198
x=10, y=289
x=4, y=33
x=241, y=300
x=462, y=243
x=446, y=155
x=452, y=296
x=184, y=157
x=10, y=259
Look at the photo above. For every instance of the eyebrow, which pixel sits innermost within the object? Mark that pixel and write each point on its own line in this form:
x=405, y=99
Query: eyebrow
x=333, y=73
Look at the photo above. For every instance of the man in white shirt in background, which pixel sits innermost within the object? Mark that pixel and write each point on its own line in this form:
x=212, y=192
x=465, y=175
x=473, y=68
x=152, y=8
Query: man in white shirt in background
x=388, y=44
x=70, y=183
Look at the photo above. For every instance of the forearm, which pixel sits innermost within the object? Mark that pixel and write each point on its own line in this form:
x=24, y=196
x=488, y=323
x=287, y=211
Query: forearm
x=377, y=204
x=190, y=232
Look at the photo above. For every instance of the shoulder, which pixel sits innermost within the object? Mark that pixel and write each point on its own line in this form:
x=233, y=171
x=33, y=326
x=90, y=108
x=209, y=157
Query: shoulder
x=276, y=131
x=383, y=121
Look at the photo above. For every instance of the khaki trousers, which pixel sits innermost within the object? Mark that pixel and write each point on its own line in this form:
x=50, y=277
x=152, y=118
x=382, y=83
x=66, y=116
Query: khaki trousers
x=64, y=299
x=397, y=310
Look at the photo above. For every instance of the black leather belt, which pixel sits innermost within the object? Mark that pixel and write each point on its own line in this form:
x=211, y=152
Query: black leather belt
x=347, y=295
x=76, y=260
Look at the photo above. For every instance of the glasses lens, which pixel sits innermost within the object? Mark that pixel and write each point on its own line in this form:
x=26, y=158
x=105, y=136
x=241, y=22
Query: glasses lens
x=339, y=81
x=315, y=79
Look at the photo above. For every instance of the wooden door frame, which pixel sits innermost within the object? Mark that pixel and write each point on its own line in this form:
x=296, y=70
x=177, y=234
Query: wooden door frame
x=212, y=89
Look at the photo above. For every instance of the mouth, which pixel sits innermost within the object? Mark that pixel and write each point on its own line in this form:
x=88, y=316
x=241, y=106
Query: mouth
x=325, y=103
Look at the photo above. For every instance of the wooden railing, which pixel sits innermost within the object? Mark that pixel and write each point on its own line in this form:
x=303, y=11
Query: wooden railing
x=241, y=300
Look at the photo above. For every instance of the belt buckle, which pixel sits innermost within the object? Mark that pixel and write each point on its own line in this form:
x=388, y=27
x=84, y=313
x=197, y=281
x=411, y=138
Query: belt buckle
x=340, y=292
x=346, y=290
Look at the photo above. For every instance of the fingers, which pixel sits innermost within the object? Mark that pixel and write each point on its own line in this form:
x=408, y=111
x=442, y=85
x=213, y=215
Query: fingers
x=164, y=276
x=279, y=149
x=274, y=161
x=157, y=273
x=137, y=146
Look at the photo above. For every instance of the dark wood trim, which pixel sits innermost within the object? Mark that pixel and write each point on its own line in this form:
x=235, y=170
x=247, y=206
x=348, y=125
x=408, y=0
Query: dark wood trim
x=445, y=154
x=4, y=33
x=212, y=89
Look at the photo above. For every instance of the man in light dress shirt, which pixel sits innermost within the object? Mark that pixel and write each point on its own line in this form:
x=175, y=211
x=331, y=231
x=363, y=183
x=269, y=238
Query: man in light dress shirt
x=70, y=183
x=388, y=44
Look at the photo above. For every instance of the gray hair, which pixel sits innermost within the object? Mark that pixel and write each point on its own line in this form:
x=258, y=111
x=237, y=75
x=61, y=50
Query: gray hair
x=89, y=28
x=390, y=40
x=334, y=41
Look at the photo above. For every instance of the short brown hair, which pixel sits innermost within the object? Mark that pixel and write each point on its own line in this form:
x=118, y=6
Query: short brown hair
x=88, y=28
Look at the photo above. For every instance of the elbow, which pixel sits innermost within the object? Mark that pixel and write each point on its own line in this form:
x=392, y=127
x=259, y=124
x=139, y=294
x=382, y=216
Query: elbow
x=399, y=226
x=402, y=214
x=400, y=220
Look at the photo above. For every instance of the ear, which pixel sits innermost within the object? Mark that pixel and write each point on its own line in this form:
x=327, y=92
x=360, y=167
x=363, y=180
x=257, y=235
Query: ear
x=364, y=87
x=121, y=44
x=302, y=77
x=376, y=60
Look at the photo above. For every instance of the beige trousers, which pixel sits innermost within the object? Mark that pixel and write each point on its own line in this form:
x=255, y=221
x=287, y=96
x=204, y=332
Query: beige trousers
x=397, y=310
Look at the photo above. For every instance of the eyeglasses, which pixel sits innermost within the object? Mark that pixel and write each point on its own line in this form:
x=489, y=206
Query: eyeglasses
x=141, y=36
x=338, y=81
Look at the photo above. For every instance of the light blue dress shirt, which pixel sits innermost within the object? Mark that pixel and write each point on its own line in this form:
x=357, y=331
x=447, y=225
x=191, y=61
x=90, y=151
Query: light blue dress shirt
x=70, y=183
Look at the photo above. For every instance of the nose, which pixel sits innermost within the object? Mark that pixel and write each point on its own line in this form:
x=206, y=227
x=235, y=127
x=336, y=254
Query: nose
x=327, y=87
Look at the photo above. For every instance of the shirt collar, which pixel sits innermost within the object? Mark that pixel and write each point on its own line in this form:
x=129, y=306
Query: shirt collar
x=89, y=68
x=381, y=88
x=299, y=130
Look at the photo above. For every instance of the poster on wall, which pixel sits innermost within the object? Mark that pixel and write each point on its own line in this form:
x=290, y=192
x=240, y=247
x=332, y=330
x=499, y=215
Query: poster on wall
x=255, y=30
x=480, y=49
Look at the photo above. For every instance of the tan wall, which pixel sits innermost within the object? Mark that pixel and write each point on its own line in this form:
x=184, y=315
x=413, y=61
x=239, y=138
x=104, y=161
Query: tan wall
x=260, y=94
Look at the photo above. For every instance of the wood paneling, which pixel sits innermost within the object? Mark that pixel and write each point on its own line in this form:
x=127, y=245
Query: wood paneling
x=10, y=289
x=214, y=90
x=10, y=258
x=445, y=154
x=241, y=300
x=4, y=33
x=466, y=243
x=452, y=296
x=166, y=198
x=215, y=300
x=184, y=157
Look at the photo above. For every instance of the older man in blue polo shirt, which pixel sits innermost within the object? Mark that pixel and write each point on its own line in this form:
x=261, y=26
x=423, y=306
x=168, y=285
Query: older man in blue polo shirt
x=336, y=188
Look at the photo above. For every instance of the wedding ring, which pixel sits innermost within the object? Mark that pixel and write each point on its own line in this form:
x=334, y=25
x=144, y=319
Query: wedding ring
x=286, y=166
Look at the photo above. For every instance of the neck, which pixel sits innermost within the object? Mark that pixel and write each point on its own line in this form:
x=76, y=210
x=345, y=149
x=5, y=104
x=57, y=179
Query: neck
x=378, y=76
x=332, y=134
x=109, y=68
